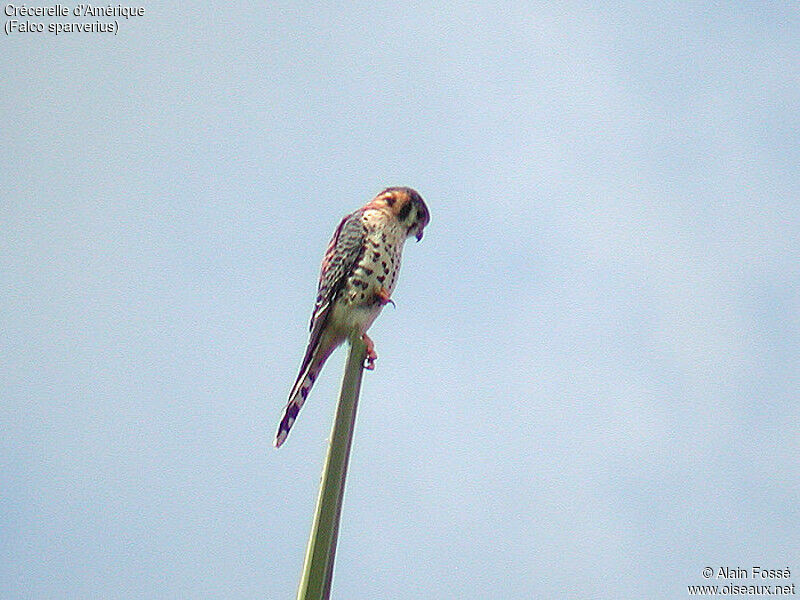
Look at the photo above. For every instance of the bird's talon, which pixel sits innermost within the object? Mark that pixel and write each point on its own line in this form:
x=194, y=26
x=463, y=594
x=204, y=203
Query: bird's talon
x=384, y=297
x=369, y=361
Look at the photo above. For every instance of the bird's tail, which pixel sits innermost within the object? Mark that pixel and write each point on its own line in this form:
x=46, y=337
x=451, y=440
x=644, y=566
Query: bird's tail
x=305, y=381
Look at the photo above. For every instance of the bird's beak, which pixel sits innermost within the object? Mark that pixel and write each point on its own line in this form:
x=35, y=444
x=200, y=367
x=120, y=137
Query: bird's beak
x=419, y=235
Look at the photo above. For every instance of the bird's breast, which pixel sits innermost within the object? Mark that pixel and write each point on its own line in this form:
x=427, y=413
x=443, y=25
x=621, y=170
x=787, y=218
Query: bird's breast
x=378, y=266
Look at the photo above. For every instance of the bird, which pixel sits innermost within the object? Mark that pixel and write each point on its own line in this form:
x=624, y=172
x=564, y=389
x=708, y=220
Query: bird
x=358, y=275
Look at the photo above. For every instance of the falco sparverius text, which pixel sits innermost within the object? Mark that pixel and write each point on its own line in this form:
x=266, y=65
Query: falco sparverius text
x=358, y=275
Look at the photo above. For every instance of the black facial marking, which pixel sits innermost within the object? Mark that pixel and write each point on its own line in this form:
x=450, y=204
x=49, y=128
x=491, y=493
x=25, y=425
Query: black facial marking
x=403, y=214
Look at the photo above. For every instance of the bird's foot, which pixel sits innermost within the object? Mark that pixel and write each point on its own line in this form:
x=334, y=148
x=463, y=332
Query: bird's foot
x=383, y=297
x=369, y=363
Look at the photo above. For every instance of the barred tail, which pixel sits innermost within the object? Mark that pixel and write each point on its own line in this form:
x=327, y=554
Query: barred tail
x=305, y=381
x=296, y=400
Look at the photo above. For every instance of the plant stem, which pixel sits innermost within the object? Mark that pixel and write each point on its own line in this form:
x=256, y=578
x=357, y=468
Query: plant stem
x=315, y=583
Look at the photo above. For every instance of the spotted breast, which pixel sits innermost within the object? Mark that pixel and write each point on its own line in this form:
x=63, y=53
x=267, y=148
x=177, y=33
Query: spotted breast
x=359, y=304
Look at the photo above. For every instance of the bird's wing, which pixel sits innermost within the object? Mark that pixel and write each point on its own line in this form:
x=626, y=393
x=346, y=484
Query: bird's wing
x=344, y=251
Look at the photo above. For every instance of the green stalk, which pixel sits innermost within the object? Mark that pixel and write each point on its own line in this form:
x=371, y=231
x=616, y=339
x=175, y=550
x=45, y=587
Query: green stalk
x=315, y=584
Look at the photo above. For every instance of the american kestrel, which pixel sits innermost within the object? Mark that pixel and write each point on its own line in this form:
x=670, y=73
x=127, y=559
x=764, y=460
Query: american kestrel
x=358, y=275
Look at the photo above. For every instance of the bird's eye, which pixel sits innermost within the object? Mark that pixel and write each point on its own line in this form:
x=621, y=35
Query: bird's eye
x=390, y=200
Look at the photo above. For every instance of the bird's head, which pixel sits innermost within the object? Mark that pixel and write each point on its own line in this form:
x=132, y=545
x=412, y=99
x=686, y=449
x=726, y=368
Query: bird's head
x=407, y=206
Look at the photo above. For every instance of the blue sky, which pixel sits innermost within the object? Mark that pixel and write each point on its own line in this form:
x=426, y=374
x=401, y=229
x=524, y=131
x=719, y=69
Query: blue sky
x=588, y=387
